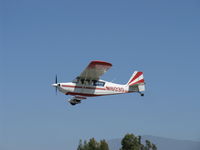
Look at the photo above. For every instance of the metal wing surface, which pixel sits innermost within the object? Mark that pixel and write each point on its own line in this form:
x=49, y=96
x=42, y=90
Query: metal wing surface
x=94, y=70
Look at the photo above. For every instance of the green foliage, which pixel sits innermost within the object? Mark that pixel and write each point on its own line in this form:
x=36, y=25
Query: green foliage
x=93, y=145
x=154, y=147
x=103, y=145
x=80, y=146
x=148, y=144
x=129, y=142
x=132, y=142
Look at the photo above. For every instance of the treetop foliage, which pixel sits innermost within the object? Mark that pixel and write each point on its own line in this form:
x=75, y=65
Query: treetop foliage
x=129, y=142
x=92, y=144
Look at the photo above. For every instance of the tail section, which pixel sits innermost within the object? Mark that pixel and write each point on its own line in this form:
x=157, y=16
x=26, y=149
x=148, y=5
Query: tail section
x=137, y=81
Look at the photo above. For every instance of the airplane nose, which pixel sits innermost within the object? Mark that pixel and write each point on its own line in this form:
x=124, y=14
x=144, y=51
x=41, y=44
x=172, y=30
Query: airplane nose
x=55, y=85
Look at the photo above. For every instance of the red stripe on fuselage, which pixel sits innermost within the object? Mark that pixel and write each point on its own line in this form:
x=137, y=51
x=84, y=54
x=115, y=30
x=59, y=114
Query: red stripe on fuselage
x=88, y=95
x=93, y=88
x=92, y=95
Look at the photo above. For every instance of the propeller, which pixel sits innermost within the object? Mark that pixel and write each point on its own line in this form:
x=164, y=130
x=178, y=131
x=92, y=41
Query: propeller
x=56, y=84
x=56, y=81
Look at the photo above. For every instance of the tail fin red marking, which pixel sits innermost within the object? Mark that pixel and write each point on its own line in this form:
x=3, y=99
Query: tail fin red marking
x=136, y=78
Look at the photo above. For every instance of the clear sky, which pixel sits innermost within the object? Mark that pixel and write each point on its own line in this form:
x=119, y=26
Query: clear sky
x=41, y=38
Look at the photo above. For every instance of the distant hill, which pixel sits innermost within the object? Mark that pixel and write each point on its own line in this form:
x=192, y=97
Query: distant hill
x=161, y=143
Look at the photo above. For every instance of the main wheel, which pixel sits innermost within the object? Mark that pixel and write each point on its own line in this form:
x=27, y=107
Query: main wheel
x=73, y=104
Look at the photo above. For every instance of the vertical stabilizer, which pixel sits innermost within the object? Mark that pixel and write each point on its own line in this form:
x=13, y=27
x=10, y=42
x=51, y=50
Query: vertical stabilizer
x=137, y=80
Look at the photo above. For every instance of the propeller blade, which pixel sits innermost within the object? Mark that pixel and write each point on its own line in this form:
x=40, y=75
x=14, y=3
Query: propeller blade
x=56, y=81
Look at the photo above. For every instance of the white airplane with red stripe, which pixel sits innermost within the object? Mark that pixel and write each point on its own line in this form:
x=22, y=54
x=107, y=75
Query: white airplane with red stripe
x=89, y=84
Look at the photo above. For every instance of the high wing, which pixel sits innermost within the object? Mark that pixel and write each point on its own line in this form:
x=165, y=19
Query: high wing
x=94, y=70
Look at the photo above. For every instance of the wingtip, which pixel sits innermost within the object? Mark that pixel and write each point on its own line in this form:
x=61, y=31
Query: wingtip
x=100, y=62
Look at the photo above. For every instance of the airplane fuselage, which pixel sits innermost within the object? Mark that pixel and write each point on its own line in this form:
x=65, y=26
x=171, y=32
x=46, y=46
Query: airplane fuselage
x=88, y=83
x=100, y=88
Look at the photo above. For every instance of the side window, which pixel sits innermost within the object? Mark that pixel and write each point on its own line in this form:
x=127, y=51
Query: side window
x=82, y=81
x=98, y=83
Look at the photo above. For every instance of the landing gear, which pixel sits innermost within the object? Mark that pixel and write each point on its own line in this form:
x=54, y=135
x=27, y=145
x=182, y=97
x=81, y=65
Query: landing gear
x=72, y=104
x=141, y=94
x=74, y=101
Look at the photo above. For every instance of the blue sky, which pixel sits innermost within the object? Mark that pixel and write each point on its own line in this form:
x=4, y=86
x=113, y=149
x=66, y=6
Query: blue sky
x=42, y=38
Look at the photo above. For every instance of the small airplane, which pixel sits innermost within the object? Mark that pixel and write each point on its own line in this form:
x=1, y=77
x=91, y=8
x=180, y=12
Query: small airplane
x=89, y=84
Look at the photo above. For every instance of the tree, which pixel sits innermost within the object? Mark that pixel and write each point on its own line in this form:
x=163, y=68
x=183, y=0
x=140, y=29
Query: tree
x=130, y=142
x=103, y=145
x=142, y=147
x=93, y=144
x=80, y=145
x=154, y=147
x=85, y=145
x=139, y=138
x=148, y=145
x=140, y=143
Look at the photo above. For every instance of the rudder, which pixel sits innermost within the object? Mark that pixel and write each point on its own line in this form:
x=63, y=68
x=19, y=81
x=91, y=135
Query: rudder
x=137, y=79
